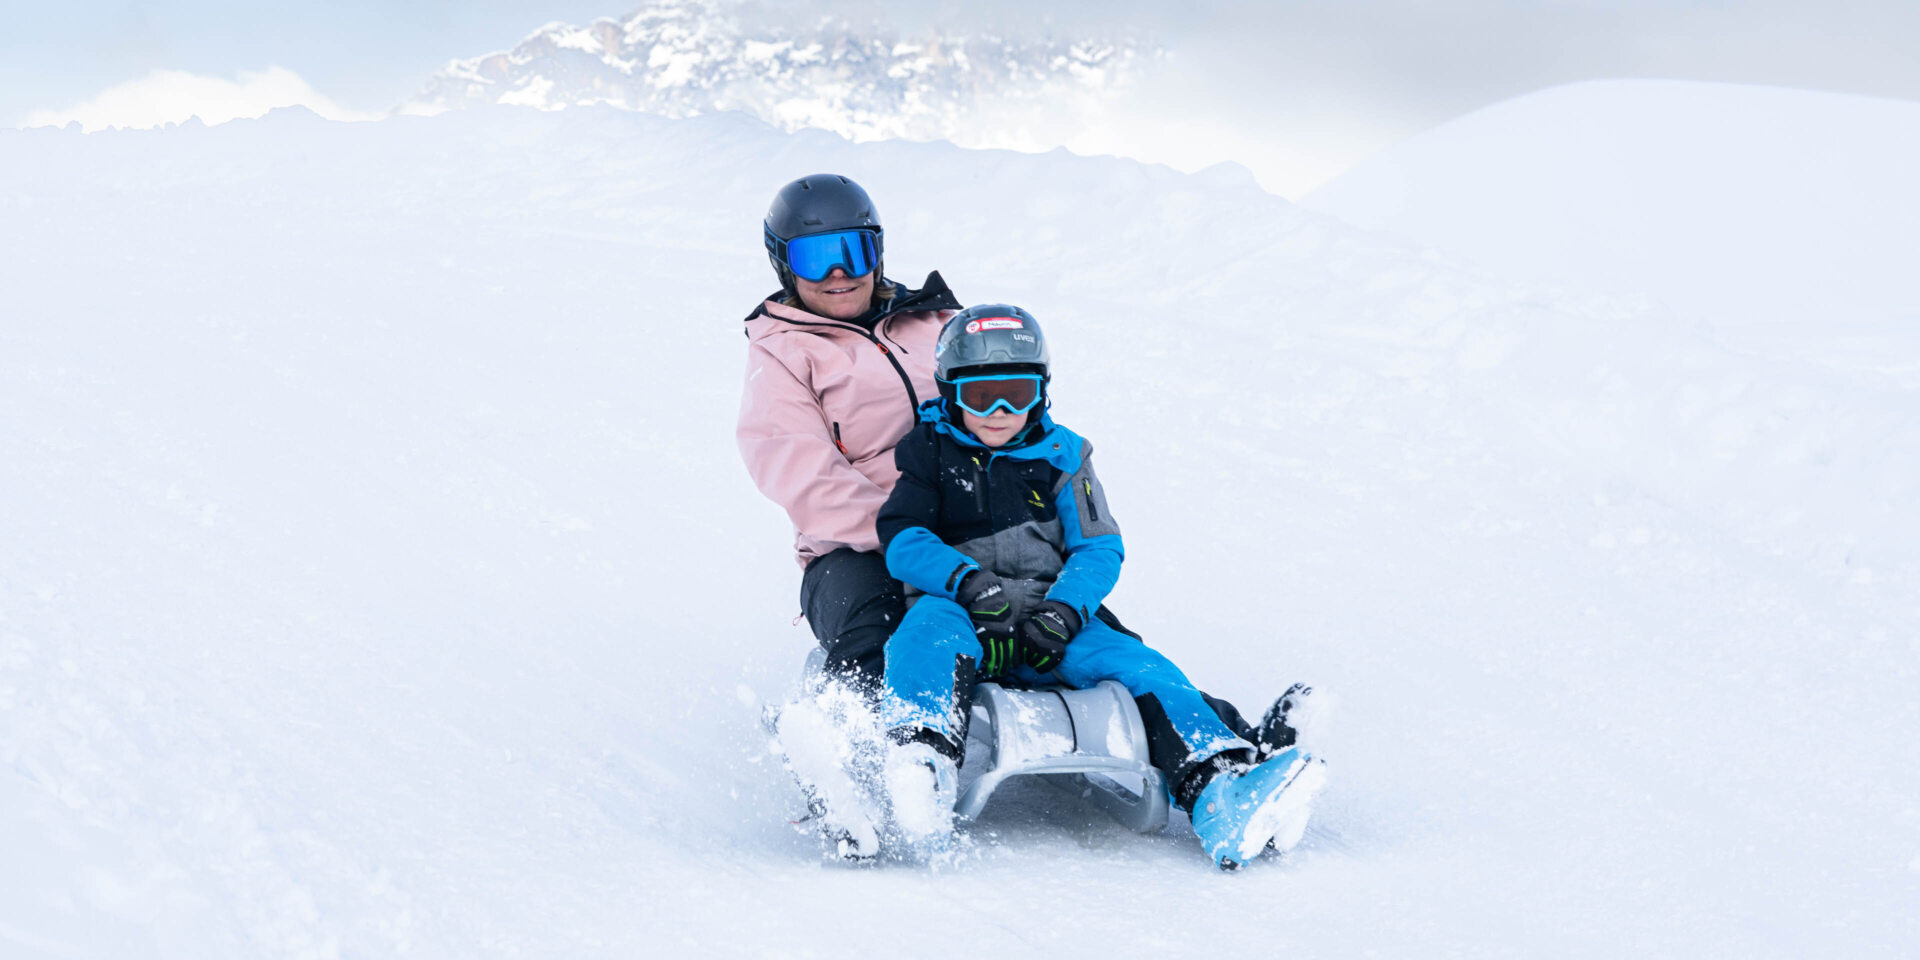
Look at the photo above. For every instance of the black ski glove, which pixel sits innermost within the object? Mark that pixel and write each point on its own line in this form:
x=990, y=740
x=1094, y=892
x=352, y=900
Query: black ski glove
x=984, y=597
x=1045, y=633
x=999, y=651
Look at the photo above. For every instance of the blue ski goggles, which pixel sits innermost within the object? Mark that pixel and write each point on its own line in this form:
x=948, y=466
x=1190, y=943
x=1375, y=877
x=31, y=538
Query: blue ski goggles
x=814, y=256
x=1015, y=393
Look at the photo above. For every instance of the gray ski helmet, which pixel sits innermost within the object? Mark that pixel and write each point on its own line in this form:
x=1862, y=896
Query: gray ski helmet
x=821, y=203
x=994, y=335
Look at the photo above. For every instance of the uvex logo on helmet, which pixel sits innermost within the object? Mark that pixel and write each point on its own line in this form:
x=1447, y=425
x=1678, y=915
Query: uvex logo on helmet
x=994, y=323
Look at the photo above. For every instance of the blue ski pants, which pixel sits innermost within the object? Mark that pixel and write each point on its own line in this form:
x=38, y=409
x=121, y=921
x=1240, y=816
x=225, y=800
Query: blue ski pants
x=924, y=676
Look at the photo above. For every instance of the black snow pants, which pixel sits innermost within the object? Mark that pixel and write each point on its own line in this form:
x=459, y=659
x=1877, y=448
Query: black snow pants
x=853, y=606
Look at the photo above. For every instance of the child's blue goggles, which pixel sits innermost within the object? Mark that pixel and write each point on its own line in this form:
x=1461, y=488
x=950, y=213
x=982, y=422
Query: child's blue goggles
x=814, y=256
x=1015, y=393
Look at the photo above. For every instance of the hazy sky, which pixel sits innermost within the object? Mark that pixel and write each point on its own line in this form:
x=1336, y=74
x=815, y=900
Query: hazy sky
x=1306, y=87
x=365, y=54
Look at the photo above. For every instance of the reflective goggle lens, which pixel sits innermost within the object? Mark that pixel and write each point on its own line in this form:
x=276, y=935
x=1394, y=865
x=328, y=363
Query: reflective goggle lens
x=812, y=258
x=980, y=396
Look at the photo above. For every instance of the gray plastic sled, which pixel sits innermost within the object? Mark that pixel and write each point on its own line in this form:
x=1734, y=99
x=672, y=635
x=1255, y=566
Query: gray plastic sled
x=1086, y=742
x=1090, y=743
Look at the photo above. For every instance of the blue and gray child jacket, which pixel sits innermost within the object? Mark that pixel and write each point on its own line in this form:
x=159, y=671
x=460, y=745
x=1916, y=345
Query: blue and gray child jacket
x=1032, y=512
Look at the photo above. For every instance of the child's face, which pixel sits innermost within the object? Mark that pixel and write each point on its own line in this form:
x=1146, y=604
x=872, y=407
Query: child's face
x=996, y=428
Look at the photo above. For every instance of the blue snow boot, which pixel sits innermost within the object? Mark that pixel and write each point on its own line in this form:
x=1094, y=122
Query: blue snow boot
x=1239, y=812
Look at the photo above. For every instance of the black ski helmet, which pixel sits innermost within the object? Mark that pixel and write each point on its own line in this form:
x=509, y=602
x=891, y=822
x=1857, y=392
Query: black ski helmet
x=990, y=338
x=821, y=203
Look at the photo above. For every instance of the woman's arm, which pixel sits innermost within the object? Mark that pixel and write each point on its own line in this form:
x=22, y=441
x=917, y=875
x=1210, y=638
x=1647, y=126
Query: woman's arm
x=793, y=460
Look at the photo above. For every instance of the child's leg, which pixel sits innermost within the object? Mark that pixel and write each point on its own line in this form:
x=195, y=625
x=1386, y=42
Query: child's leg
x=1183, y=731
x=930, y=671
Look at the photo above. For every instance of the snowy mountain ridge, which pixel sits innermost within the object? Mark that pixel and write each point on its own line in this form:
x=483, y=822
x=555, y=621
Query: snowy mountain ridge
x=864, y=81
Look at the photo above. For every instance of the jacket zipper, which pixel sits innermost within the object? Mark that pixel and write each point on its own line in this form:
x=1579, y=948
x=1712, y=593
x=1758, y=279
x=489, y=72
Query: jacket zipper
x=838, y=443
x=896, y=343
x=913, y=399
x=980, y=488
x=1093, y=510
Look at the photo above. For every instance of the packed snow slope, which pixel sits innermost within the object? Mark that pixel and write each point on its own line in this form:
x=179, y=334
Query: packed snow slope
x=379, y=578
x=1731, y=204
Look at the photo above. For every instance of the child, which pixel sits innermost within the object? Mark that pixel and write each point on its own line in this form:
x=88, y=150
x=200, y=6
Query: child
x=1001, y=527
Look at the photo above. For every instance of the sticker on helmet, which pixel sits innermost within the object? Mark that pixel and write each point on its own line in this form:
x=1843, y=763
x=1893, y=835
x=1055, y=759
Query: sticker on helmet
x=1000, y=323
x=973, y=326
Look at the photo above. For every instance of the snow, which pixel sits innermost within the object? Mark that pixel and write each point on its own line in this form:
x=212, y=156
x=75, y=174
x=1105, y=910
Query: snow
x=1733, y=204
x=575, y=38
x=535, y=93
x=380, y=578
x=176, y=96
x=760, y=51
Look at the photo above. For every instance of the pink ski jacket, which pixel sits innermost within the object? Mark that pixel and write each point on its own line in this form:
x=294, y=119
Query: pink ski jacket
x=824, y=403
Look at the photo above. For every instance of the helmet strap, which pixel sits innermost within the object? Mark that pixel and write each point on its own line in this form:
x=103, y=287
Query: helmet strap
x=786, y=279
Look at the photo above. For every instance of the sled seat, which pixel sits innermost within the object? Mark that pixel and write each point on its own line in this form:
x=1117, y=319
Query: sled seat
x=1090, y=743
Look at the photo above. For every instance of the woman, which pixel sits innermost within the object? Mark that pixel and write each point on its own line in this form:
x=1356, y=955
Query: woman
x=838, y=359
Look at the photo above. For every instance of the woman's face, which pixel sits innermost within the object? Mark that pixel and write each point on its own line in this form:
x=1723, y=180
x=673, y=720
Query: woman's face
x=839, y=296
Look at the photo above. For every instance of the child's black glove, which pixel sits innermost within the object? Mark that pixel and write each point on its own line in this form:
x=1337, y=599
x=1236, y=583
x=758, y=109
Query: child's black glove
x=999, y=651
x=1045, y=633
x=984, y=597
